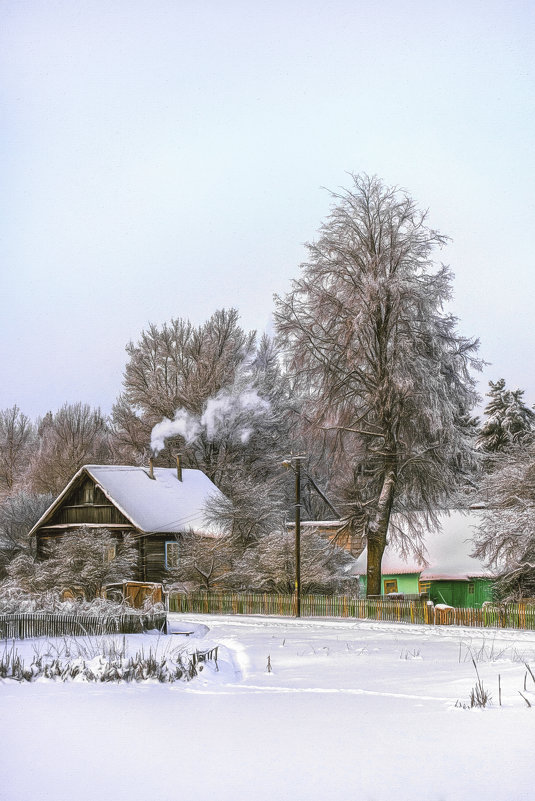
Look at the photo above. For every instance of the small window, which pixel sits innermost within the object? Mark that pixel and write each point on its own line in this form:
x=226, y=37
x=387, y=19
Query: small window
x=171, y=554
x=391, y=586
x=110, y=553
x=424, y=586
x=46, y=545
x=471, y=588
x=89, y=493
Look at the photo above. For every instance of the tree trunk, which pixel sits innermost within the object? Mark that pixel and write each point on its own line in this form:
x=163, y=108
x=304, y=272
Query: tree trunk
x=378, y=530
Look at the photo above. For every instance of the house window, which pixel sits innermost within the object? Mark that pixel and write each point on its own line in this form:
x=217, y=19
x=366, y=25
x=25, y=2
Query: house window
x=471, y=587
x=89, y=493
x=110, y=553
x=391, y=586
x=171, y=554
x=46, y=545
x=424, y=586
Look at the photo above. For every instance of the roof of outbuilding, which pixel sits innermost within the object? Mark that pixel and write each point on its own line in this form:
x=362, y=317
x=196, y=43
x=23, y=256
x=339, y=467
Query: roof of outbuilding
x=447, y=552
x=160, y=505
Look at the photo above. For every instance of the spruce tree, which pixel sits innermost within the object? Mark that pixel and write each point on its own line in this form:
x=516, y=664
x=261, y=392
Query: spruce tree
x=508, y=420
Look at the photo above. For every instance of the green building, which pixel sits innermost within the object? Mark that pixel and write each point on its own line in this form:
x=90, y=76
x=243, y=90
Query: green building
x=451, y=576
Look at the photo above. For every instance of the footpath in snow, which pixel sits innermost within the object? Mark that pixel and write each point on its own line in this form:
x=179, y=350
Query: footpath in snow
x=298, y=709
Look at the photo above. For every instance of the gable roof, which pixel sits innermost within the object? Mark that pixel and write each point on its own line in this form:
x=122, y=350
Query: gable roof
x=160, y=505
x=447, y=552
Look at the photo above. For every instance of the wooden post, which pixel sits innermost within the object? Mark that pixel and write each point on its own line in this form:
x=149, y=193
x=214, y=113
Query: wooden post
x=298, y=535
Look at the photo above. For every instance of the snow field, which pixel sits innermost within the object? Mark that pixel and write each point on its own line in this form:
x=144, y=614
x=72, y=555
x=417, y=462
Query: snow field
x=351, y=709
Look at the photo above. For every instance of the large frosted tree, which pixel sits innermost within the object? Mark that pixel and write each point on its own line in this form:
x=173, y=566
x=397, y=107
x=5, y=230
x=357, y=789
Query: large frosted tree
x=383, y=369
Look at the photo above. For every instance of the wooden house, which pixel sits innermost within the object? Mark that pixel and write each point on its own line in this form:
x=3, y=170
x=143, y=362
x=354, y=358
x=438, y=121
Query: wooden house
x=155, y=505
x=451, y=576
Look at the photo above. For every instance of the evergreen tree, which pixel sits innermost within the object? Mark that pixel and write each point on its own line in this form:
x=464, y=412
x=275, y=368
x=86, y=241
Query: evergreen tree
x=508, y=420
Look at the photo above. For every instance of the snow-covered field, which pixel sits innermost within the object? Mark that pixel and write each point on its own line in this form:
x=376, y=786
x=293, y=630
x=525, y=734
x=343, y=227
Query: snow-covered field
x=351, y=709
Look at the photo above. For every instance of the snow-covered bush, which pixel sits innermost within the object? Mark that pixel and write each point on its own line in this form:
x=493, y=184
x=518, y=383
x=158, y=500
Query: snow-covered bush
x=203, y=563
x=270, y=565
x=83, y=560
x=505, y=538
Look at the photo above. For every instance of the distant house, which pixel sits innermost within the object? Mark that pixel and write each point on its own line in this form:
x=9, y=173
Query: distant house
x=451, y=576
x=154, y=505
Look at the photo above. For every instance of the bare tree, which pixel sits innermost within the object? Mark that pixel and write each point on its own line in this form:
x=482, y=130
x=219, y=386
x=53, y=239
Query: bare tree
x=17, y=435
x=250, y=510
x=18, y=514
x=209, y=392
x=180, y=366
x=383, y=370
x=74, y=436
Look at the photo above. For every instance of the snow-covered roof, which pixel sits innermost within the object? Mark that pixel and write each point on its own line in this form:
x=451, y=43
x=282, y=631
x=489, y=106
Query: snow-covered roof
x=163, y=504
x=317, y=524
x=447, y=552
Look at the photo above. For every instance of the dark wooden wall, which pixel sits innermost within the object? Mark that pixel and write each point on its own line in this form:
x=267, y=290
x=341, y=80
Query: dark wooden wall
x=86, y=504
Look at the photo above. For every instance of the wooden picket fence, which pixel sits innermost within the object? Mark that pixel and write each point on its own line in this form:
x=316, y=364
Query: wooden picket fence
x=285, y=605
x=49, y=624
x=515, y=616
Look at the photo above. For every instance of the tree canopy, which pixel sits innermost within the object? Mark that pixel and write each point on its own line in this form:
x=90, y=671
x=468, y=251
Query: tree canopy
x=384, y=372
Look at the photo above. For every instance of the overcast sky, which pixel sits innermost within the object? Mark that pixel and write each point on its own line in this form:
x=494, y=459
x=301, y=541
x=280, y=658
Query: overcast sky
x=165, y=159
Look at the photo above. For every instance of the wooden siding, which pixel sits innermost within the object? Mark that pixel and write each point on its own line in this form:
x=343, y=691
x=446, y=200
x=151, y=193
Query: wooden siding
x=86, y=503
x=154, y=557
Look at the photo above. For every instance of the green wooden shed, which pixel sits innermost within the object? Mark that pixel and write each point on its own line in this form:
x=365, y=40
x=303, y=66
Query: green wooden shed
x=451, y=576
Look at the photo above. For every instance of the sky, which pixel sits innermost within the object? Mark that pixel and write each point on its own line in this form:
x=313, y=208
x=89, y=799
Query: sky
x=165, y=159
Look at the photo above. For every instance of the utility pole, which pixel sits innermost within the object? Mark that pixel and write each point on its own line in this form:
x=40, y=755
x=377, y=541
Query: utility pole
x=297, y=470
x=298, y=536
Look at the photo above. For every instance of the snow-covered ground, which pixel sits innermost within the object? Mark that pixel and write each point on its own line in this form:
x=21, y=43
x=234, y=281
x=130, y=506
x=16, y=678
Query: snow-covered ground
x=351, y=709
